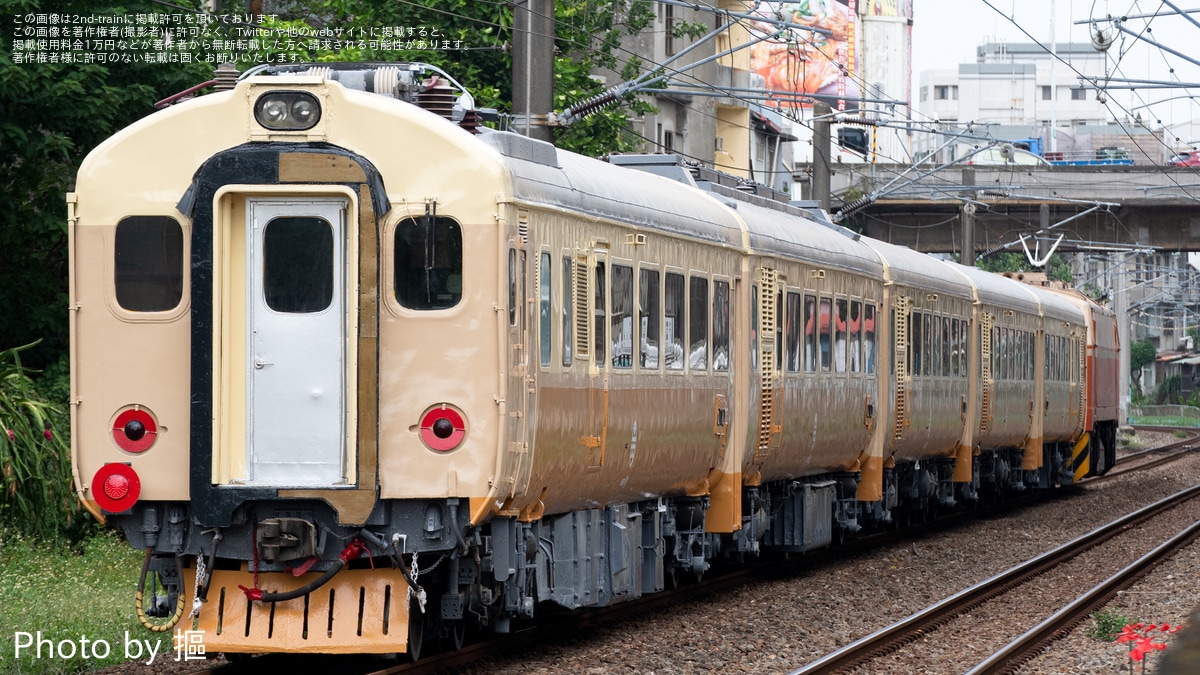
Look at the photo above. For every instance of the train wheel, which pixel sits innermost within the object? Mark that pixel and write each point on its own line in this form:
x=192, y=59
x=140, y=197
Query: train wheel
x=458, y=634
x=672, y=577
x=416, y=630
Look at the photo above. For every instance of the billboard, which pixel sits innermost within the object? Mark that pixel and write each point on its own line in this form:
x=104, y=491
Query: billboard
x=796, y=64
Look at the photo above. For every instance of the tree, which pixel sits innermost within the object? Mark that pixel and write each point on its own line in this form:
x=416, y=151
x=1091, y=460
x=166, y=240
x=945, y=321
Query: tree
x=1141, y=354
x=588, y=36
x=1057, y=267
x=51, y=115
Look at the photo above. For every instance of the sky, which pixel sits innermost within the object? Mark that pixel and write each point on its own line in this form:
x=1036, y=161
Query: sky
x=946, y=33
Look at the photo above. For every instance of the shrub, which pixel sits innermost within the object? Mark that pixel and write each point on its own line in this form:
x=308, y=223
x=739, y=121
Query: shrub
x=1107, y=625
x=1170, y=391
x=36, y=492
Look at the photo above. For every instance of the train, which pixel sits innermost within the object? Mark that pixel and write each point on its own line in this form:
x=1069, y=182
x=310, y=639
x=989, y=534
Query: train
x=360, y=375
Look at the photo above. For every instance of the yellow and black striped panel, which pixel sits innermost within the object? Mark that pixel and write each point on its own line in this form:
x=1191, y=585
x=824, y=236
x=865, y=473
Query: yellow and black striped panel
x=1081, y=458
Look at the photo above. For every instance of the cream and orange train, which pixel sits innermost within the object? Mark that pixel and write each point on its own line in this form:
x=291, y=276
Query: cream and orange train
x=356, y=377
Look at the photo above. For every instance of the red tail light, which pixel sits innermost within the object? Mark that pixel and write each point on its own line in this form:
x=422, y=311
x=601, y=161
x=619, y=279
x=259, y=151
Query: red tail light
x=116, y=487
x=443, y=428
x=134, y=430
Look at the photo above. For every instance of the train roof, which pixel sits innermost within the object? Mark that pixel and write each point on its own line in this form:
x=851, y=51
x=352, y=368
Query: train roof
x=998, y=290
x=911, y=268
x=541, y=174
x=775, y=232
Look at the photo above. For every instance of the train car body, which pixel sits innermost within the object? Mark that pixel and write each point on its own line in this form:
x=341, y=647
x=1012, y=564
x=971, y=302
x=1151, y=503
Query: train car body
x=355, y=377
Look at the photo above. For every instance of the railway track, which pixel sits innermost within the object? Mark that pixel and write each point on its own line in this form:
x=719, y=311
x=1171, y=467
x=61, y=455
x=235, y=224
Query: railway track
x=504, y=647
x=1152, y=457
x=920, y=625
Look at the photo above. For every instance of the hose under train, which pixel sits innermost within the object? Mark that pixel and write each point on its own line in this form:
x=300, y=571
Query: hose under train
x=352, y=551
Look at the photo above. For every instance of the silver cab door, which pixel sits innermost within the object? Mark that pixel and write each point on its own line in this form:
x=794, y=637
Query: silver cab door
x=296, y=342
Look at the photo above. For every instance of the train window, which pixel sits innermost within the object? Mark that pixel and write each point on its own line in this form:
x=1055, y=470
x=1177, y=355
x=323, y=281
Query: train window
x=149, y=263
x=810, y=333
x=793, y=332
x=698, y=324
x=1026, y=356
x=600, y=306
x=824, y=334
x=996, y=348
x=1009, y=356
x=1021, y=349
x=869, y=337
x=567, y=295
x=720, y=325
x=1058, y=359
x=914, y=343
x=1070, y=356
x=927, y=346
x=955, y=346
x=622, y=316
x=855, y=336
x=675, y=323
x=1030, y=360
x=963, y=343
x=298, y=270
x=935, y=337
x=1064, y=359
x=428, y=262
x=649, y=314
x=1048, y=368
x=839, y=335
x=1002, y=371
x=1054, y=361
x=947, y=346
x=544, y=274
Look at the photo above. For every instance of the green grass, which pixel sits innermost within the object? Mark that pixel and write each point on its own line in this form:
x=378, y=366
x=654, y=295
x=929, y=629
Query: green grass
x=68, y=594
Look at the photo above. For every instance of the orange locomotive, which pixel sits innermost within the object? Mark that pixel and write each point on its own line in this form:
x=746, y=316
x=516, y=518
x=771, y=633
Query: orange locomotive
x=356, y=374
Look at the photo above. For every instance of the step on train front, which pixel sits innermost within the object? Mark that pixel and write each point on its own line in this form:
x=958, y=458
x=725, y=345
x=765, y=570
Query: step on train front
x=358, y=374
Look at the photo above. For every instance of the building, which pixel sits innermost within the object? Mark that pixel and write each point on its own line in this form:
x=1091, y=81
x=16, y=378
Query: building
x=1012, y=84
x=1162, y=294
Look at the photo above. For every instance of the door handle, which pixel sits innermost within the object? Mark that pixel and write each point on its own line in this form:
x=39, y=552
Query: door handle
x=259, y=363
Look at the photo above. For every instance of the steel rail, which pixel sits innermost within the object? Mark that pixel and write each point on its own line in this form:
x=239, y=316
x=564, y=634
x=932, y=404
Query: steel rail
x=912, y=627
x=1062, y=621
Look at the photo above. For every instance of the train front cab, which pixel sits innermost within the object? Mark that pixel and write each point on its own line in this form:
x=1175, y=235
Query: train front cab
x=276, y=444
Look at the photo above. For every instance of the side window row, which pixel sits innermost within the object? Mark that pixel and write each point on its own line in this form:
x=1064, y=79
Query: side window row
x=1059, y=352
x=829, y=334
x=937, y=345
x=1012, y=353
x=675, y=322
x=148, y=263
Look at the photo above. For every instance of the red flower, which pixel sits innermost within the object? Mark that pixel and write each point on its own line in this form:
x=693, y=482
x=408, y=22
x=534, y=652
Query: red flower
x=48, y=434
x=11, y=436
x=1143, y=643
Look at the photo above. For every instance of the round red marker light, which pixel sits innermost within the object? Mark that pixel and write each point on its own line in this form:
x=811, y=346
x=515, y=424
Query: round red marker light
x=134, y=430
x=116, y=487
x=443, y=428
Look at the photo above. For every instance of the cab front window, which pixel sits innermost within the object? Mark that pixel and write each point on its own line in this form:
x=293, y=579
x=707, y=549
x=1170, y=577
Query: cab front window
x=428, y=255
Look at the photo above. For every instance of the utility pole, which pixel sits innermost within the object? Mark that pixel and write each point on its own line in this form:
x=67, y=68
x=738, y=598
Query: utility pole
x=533, y=67
x=1121, y=309
x=1053, y=83
x=967, y=216
x=821, y=141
